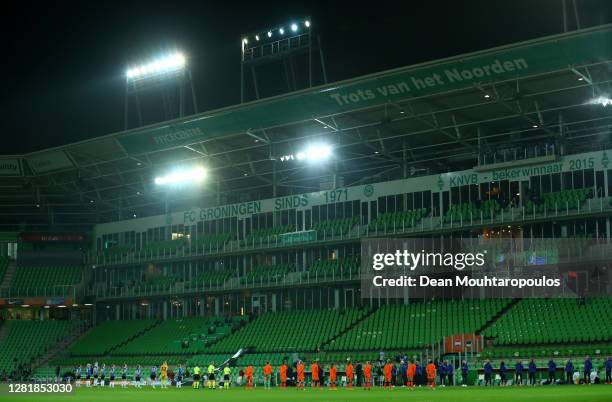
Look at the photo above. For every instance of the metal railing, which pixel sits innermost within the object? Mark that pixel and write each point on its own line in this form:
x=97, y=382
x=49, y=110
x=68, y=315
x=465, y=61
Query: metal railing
x=507, y=216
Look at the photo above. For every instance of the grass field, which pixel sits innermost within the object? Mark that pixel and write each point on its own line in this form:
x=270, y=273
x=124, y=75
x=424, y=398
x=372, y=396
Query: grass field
x=595, y=393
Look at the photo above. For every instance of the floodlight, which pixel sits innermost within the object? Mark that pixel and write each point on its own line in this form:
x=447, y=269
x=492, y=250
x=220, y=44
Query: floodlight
x=167, y=64
x=307, y=24
x=601, y=100
x=245, y=41
x=282, y=31
x=294, y=27
x=269, y=34
x=257, y=38
x=300, y=156
x=182, y=176
x=318, y=152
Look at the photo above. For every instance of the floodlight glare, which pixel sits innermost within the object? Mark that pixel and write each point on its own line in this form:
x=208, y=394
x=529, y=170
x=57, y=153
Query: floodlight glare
x=245, y=41
x=282, y=31
x=294, y=27
x=173, y=62
x=257, y=37
x=307, y=24
x=182, y=176
x=300, y=156
x=318, y=152
x=269, y=34
x=601, y=100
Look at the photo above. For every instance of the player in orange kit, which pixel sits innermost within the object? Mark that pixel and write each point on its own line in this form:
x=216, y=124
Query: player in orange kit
x=349, y=375
x=367, y=375
x=248, y=373
x=431, y=374
x=387, y=374
x=282, y=371
x=332, y=376
x=300, y=375
x=314, y=373
x=410, y=373
x=267, y=372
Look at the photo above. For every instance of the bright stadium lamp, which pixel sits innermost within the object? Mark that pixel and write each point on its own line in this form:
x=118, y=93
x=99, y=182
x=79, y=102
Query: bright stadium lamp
x=179, y=177
x=168, y=64
x=269, y=34
x=282, y=31
x=307, y=24
x=294, y=27
x=318, y=152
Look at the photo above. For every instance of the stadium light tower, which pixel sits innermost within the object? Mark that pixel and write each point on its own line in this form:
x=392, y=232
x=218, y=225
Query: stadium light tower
x=286, y=44
x=166, y=77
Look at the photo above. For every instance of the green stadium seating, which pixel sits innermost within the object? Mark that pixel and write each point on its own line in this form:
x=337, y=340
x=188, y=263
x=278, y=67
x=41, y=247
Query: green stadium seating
x=558, y=201
x=337, y=268
x=42, y=278
x=290, y=331
x=540, y=321
x=104, y=337
x=25, y=340
x=397, y=221
x=266, y=236
x=167, y=338
x=209, y=278
x=334, y=227
x=468, y=211
x=395, y=327
x=262, y=274
x=210, y=242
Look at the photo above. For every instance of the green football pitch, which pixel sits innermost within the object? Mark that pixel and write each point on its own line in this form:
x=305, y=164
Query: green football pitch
x=595, y=393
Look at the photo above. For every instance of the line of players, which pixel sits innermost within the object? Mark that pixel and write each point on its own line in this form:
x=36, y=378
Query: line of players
x=96, y=375
x=318, y=373
x=571, y=376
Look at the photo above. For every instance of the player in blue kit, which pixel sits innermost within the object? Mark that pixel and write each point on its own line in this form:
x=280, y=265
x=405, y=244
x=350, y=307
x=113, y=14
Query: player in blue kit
x=569, y=372
x=112, y=376
x=531, y=370
x=179, y=376
x=77, y=376
x=124, y=372
x=552, y=370
x=153, y=376
x=588, y=366
x=137, y=376
x=518, y=372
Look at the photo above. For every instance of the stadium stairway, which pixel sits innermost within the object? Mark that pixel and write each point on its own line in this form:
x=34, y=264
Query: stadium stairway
x=130, y=339
x=8, y=275
x=347, y=329
x=496, y=317
x=60, y=347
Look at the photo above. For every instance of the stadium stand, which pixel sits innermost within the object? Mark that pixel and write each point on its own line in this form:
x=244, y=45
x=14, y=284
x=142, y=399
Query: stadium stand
x=266, y=236
x=540, y=321
x=334, y=268
x=108, y=335
x=265, y=273
x=183, y=336
x=36, y=279
x=290, y=331
x=390, y=221
x=334, y=227
x=416, y=325
x=24, y=340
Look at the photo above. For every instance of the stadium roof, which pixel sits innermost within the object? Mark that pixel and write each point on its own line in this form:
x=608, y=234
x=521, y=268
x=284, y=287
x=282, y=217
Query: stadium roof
x=432, y=117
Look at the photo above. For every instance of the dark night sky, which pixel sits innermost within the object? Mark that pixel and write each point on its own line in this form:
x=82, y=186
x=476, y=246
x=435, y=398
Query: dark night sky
x=64, y=62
